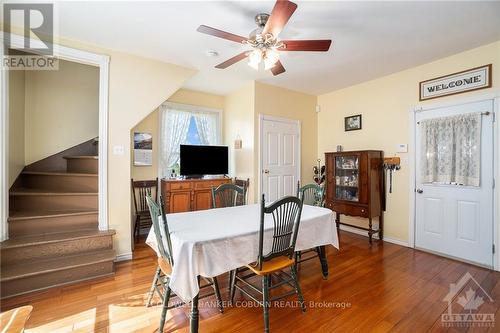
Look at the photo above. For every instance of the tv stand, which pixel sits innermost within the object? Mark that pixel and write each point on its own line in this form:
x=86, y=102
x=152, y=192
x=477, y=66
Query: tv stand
x=193, y=177
x=185, y=195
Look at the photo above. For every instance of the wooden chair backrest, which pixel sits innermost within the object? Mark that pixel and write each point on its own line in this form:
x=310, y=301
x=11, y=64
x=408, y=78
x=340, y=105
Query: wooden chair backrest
x=286, y=214
x=242, y=199
x=160, y=228
x=225, y=195
x=311, y=194
x=142, y=188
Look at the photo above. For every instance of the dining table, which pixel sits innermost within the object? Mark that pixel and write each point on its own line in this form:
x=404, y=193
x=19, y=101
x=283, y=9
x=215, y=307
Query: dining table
x=211, y=242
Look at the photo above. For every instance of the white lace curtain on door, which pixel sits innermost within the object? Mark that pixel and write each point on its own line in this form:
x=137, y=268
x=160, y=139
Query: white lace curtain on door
x=450, y=149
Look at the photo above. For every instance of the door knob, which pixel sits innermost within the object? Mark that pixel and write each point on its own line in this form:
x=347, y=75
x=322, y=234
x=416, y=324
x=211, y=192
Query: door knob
x=265, y=171
x=420, y=191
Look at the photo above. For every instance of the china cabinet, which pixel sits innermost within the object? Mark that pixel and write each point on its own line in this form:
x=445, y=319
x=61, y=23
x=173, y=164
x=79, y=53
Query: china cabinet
x=355, y=187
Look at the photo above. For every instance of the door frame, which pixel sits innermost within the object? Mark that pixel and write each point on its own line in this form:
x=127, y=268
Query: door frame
x=263, y=117
x=70, y=54
x=495, y=97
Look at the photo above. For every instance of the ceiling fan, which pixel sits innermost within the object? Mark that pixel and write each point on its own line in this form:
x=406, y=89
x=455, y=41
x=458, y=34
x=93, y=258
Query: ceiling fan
x=264, y=40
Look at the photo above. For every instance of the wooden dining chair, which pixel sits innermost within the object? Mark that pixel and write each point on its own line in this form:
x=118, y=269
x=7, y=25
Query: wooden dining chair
x=226, y=195
x=140, y=189
x=242, y=199
x=166, y=262
x=14, y=321
x=313, y=195
x=286, y=214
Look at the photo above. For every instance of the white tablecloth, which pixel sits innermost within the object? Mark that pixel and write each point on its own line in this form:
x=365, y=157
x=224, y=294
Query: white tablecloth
x=211, y=242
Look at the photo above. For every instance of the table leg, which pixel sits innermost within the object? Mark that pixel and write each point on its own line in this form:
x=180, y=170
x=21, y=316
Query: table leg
x=324, y=262
x=194, y=315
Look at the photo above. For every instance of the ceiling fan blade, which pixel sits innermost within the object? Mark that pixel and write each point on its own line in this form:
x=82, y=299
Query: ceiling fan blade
x=319, y=45
x=282, y=11
x=221, y=34
x=232, y=61
x=278, y=68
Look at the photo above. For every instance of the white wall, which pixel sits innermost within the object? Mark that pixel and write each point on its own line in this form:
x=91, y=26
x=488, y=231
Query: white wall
x=62, y=109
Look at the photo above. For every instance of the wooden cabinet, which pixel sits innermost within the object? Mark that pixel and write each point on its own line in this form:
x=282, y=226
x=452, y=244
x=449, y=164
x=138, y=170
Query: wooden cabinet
x=190, y=194
x=202, y=199
x=355, y=187
x=178, y=201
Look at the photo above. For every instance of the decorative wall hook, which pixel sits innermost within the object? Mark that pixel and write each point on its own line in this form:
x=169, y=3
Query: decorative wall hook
x=391, y=164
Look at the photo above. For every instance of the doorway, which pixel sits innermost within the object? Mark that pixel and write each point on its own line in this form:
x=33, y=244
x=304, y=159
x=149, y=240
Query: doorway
x=279, y=157
x=454, y=181
x=71, y=55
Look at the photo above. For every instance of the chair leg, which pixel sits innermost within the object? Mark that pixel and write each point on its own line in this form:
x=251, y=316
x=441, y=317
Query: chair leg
x=298, y=256
x=153, y=287
x=137, y=227
x=233, y=285
x=165, y=307
x=229, y=283
x=215, y=285
x=297, y=288
x=265, y=302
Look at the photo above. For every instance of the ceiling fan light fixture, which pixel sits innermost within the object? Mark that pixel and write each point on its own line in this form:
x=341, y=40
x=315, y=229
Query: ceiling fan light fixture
x=264, y=42
x=270, y=59
x=254, y=58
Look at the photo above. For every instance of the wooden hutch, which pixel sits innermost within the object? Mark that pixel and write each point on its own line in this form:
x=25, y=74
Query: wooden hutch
x=355, y=187
x=185, y=195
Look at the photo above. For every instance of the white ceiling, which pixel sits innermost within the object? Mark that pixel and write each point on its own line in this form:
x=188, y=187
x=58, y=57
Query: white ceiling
x=370, y=39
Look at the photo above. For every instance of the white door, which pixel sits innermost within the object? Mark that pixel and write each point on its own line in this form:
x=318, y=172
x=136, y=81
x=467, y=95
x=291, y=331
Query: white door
x=457, y=220
x=280, y=157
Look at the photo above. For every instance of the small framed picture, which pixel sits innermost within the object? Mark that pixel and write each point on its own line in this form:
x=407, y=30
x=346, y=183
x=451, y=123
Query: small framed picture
x=352, y=123
x=143, y=149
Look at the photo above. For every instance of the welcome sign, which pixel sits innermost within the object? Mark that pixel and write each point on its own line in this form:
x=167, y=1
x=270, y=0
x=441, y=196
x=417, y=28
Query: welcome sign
x=456, y=83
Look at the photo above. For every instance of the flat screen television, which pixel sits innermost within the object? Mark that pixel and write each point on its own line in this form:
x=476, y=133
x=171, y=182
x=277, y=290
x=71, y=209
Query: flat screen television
x=197, y=160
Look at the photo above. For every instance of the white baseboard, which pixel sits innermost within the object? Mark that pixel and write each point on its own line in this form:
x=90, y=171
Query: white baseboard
x=396, y=241
x=365, y=233
x=123, y=257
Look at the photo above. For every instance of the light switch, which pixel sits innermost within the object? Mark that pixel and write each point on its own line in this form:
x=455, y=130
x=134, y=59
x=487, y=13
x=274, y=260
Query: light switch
x=118, y=150
x=401, y=148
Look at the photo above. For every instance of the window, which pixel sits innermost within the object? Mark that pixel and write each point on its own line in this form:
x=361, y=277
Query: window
x=193, y=137
x=450, y=149
x=185, y=124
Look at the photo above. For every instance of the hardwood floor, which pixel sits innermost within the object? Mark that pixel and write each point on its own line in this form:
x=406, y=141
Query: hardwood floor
x=384, y=288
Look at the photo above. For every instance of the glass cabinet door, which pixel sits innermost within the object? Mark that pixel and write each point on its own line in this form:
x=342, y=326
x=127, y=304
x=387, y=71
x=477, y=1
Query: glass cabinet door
x=346, y=178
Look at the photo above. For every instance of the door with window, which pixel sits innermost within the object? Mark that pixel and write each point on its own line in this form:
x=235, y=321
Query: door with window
x=280, y=157
x=454, y=181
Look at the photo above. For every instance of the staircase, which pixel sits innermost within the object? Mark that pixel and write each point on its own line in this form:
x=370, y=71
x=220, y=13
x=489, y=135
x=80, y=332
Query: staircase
x=53, y=229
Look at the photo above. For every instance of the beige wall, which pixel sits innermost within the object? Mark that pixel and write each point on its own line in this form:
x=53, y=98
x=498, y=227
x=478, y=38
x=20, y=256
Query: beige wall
x=62, y=109
x=241, y=117
x=241, y=109
x=239, y=120
x=150, y=124
x=198, y=98
x=16, y=124
x=137, y=86
x=285, y=103
x=385, y=104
